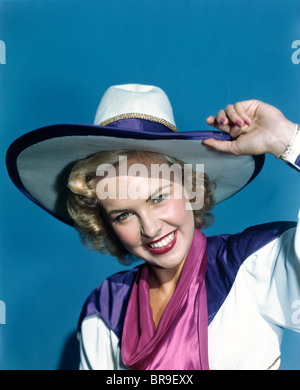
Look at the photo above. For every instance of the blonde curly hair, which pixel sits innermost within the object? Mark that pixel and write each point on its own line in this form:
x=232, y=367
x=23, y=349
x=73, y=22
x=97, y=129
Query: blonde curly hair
x=84, y=206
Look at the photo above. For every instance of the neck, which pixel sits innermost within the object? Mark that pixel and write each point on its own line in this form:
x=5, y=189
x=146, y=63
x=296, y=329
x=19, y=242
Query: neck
x=162, y=284
x=164, y=278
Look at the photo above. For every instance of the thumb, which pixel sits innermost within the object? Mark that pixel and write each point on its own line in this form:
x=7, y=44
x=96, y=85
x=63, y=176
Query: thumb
x=220, y=146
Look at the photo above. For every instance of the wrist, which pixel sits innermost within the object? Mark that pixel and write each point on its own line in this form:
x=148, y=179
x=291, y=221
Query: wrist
x=296, y=134
x=283, y=138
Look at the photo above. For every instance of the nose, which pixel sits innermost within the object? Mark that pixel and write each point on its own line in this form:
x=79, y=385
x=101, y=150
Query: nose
x=150, y=225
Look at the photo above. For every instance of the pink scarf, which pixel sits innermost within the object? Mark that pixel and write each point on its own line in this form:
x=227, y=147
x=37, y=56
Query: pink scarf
x=180, y=340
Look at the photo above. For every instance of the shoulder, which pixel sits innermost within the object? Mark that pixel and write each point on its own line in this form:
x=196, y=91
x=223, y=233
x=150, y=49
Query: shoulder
x=235, y=248
x=109, y=300
x=227, y=252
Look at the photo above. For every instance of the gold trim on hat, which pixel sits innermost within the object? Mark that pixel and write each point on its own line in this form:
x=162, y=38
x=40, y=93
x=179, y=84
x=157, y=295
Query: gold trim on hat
x=139, y=116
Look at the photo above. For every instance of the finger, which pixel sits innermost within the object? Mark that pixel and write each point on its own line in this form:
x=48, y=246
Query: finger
x=221, y=118
x=220, y=121
x=233, y=115
x=240, y=108
x=210, y=120
x=222, y=146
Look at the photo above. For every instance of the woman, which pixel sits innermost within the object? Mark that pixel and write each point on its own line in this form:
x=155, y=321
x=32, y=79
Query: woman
x=195, y=303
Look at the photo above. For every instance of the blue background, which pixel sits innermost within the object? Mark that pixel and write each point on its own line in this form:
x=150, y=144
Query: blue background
x=60, y=58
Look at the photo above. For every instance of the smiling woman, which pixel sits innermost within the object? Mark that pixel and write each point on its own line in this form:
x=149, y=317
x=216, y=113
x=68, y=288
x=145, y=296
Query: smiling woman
x=94, y=220
x=195, y=302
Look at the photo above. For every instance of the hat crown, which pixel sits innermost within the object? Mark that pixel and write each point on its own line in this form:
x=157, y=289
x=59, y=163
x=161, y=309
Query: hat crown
x=131, y=99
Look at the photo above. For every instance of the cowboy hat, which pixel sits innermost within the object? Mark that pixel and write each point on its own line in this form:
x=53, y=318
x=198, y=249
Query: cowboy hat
x=131, y=117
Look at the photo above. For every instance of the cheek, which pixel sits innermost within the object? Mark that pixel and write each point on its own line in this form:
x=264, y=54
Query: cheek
x=126, y=234
x=179, y=214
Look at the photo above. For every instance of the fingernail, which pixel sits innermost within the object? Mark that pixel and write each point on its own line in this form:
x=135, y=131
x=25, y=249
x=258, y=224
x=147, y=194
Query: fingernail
x=247, y=122
x=222, y=120
x=239, y=123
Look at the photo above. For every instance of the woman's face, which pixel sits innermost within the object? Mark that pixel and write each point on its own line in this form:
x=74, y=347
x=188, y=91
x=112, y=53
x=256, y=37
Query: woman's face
x=150, y=217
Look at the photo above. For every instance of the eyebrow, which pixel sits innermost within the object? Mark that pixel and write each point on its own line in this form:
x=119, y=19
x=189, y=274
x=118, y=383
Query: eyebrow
x=152, y=196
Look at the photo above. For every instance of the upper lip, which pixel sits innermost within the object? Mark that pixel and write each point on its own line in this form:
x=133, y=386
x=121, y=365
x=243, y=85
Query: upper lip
x=161, y=238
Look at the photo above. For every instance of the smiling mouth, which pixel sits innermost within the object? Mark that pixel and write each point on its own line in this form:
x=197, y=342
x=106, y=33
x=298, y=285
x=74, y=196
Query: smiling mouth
x=163, y=245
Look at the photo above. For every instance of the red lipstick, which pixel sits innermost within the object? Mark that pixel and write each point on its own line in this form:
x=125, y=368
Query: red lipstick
x=164, y=249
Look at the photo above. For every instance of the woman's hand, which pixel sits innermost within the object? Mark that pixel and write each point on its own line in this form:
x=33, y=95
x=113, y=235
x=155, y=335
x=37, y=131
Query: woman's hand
x=255, y=127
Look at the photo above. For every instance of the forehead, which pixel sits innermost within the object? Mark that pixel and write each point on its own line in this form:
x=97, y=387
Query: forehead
x=132, y=179
x=132, y=188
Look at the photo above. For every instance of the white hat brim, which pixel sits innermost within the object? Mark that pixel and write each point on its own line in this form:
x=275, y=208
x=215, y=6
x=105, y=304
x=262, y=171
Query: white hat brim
x=39, y=162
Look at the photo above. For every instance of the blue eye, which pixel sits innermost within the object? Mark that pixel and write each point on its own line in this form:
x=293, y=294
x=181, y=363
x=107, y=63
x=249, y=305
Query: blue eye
x=122, y=217
x=159, y=199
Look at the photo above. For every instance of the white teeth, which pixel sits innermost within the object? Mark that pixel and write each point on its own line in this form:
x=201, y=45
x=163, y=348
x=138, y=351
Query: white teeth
x=165, y=241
